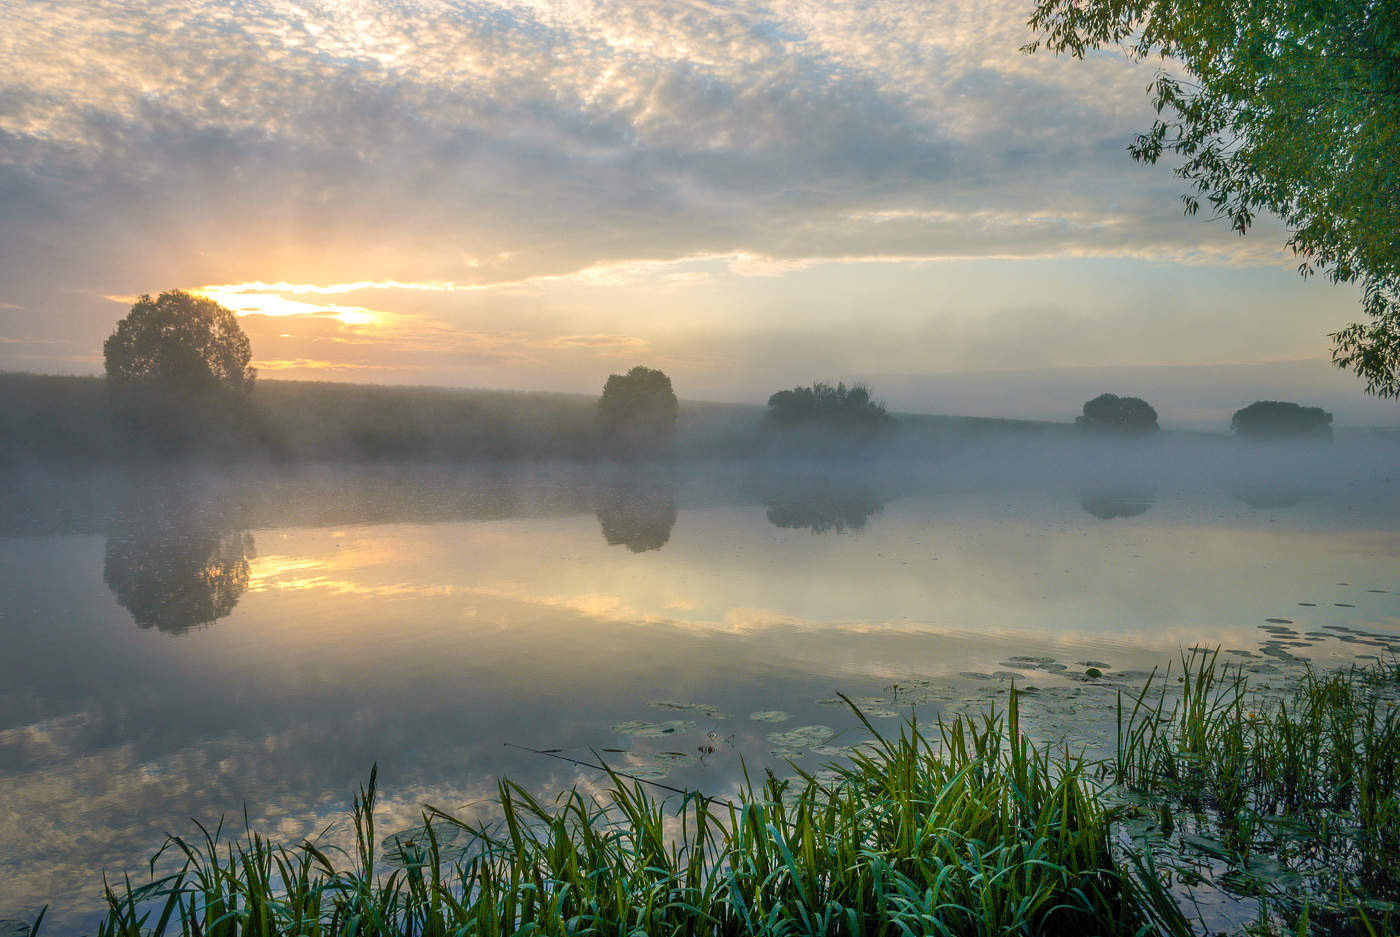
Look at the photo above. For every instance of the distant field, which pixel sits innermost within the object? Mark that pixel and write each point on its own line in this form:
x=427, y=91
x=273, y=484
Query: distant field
x=63, y=418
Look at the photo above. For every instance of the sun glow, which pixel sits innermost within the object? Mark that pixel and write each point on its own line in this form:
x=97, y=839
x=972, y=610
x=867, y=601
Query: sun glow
x=244, y=303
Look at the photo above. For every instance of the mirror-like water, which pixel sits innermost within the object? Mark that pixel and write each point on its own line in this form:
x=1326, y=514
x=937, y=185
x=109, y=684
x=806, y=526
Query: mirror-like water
x=185, y=645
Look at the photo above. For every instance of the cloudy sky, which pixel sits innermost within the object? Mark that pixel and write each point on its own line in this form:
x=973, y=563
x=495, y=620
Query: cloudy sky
x=534, y=193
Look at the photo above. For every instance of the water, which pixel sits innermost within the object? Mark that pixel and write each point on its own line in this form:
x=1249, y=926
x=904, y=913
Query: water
x=190, y=643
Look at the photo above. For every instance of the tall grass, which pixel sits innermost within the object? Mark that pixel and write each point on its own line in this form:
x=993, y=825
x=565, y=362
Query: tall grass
x=971, y=832
x=1299, y=792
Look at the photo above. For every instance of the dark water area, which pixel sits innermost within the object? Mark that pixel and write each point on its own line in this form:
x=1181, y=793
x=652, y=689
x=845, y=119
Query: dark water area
x=184, y=643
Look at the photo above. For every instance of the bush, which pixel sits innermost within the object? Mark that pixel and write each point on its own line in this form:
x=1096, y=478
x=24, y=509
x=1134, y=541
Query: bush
x=1276, y=419
x=821, y=406
x=1113, y=414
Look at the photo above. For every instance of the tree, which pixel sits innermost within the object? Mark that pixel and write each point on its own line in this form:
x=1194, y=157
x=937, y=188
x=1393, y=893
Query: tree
x=1114, y=414
x=822, y=406
x=1276, y=419
x=637, y=412
x=179, y=344
x=1290, y=107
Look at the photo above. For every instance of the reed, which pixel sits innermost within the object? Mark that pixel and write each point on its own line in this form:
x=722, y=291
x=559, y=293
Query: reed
x=970, y=831
x=1298, y=793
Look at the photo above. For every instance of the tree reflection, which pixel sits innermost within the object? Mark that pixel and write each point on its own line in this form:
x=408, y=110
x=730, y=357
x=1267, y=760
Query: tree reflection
x=639, y=515
x=179, y=574
x=1107, y=504
x=1115, y=492
x=823, y=508
x=1276, y=493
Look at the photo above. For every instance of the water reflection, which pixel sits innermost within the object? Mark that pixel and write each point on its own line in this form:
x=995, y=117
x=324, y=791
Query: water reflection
x=177, y=572
x=404, y=655
x=824, y=507
x=1275, y=493
x=639, y=514
x=1109, y=503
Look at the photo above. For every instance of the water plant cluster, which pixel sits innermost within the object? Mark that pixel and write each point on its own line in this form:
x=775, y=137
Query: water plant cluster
x=1290, y=796
x=1285, y=800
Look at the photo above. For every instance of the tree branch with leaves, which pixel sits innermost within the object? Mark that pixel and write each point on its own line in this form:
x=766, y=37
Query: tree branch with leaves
x=1290, y=107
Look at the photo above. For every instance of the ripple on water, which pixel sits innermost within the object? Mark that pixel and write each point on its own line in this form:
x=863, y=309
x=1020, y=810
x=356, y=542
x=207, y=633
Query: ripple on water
x=653, y=730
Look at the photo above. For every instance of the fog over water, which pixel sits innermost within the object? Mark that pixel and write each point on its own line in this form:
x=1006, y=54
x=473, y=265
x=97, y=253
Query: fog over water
x=184, y=642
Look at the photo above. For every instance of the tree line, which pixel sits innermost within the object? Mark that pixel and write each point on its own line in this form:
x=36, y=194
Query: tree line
x=180, y=365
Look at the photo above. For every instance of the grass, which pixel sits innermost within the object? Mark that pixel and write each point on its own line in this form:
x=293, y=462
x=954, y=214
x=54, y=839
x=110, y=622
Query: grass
x=1285, y=799
x=1293, y=796
x=972, y=832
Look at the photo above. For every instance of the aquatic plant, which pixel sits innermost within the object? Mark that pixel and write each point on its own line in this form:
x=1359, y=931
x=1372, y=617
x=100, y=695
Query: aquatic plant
x=1292, y=795
x=971, y=831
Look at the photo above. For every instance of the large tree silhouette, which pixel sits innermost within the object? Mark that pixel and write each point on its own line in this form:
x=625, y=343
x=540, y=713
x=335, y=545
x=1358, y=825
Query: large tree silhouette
x=637, y=413
x=179, y=343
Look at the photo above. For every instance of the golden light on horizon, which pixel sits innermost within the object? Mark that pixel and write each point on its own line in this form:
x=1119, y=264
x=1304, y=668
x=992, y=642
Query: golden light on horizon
x=244, y=302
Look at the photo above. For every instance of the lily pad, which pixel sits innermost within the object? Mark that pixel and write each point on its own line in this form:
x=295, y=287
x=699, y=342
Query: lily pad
x=802, y=737
x=770, y=715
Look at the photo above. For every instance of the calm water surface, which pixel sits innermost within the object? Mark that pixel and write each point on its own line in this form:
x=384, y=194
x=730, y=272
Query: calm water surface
x=184, y=644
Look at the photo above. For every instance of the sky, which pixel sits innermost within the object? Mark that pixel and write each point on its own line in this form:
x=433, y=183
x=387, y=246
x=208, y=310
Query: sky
x=529, y=194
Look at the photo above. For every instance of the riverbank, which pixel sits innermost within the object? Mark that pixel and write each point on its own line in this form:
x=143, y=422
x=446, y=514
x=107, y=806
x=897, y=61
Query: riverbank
x=1268, y=807
x=65, y=419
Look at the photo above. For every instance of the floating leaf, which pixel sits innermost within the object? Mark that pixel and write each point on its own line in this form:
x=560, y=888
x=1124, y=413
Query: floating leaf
x=769, y=715
x=801, y=737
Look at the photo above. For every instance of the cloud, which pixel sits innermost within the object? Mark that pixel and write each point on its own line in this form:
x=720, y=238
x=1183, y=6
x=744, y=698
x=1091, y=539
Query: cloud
x=461, y=144
x=528, y=193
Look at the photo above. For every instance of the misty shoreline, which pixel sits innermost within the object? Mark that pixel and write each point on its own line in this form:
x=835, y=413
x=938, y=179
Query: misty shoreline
x=63, y=420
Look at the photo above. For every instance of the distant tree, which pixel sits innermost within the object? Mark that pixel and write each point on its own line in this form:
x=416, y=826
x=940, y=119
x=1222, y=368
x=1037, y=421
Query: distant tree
x=1290, y=107
x=1114, y=414
x=1276, y=419
x=824, y=407
x=179, y=343
x=637, y=411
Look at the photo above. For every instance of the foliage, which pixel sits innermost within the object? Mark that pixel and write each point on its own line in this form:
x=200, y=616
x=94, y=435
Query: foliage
x=974, y=832
x=824, y=407
x=1111, y=413
x=637, y=411
x=1290, y=107
x=1297, y=793
x=1279, y=419
x=179, y=343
